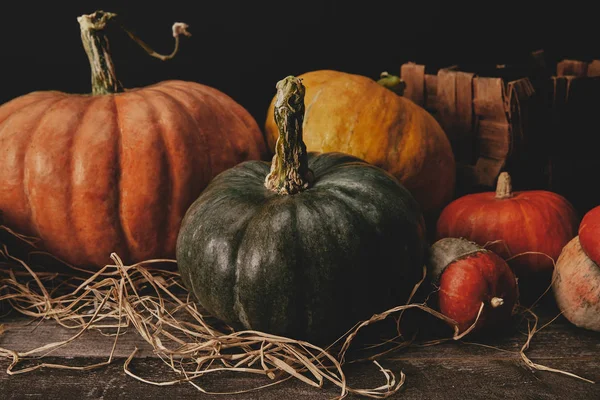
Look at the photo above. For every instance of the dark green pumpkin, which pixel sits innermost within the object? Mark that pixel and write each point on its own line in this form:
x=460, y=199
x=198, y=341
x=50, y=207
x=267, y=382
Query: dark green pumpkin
x=333, y=242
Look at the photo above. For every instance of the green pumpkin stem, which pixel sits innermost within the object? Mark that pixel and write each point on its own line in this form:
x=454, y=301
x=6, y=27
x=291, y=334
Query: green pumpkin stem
x=95, y=43
x=392, y=82
x=504, y=186
x=289, y=169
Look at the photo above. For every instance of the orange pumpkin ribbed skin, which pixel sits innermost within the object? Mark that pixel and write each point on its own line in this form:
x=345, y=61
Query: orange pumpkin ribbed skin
x=355, y=115
x=92, y=175
x=529, y=221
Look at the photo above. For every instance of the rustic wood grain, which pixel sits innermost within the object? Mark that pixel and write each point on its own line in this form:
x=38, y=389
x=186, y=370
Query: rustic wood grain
x=450, y=370
x=438, y=378
x=492, y=127
x=421, y=86
x=593, y=68
x=455, y=102
x=494, y=139
x=474, y=102
x=414, y=76
x=572, y=68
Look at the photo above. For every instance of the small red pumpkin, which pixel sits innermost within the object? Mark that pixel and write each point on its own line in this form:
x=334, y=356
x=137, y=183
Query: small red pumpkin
x=468, y=275
x=576, y=285
x=517, y=222
x=589, y=234
x=115, y=171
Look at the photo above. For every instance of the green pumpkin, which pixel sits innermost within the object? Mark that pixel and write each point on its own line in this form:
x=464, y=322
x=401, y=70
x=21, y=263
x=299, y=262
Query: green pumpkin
x=305, y=247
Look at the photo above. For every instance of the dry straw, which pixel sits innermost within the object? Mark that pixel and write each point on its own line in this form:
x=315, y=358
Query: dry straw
x=151, y=299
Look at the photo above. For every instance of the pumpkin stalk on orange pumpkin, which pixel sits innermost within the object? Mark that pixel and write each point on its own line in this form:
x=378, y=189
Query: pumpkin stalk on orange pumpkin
x=96, y=45
x=116, y=171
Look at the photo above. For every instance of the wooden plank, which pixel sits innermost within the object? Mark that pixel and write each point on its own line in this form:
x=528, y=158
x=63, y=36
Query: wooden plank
x=440, y=378
x=572, y=68
x=446, y=102
x=449, y=370
x=594, y=68
x=431, y=98
x=492, y=129
x=493, y=139
x=554, y=340
x=431, y=85
x=518, y=97
x=464, y=104
x=414, y=76
x=455, y=111
x=91, y=344
x=487, y=169
x=488, y=98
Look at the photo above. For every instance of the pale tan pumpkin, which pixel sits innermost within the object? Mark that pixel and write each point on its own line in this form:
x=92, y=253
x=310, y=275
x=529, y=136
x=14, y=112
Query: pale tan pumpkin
x=355, y=115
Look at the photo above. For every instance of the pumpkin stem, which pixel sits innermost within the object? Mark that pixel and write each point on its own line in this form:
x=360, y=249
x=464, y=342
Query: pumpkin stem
x=179, y=28
x=289, y=169
x=496, y=302
x=504, y=186
x=392, y=82
x=95, y=43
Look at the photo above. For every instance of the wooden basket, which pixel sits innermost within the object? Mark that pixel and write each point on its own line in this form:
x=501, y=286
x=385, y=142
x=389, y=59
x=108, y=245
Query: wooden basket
x=574, y=110
x=537, y=120
x=491, y=116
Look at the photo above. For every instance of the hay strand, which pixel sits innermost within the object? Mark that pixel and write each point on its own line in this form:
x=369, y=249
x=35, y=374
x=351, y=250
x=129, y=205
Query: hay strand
x=150, y=301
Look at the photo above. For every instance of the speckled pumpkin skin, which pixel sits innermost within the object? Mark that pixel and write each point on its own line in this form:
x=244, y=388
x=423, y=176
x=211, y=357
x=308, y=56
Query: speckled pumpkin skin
x=308, y=265
x=576, y=286
x=353, y=114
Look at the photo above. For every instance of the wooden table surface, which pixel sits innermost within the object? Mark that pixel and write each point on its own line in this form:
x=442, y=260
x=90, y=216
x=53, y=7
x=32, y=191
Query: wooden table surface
x=453, y=370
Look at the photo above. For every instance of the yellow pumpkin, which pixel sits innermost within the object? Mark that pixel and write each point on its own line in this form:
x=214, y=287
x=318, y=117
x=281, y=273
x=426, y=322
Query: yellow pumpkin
x=354, y=114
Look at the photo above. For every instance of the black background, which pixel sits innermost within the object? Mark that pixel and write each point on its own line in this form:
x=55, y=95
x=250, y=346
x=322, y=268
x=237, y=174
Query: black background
x=244, y=47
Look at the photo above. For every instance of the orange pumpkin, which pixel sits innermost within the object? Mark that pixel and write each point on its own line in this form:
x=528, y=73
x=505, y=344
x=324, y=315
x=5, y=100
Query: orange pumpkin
x=115, y=171
x=355, y=115
x=516, y=223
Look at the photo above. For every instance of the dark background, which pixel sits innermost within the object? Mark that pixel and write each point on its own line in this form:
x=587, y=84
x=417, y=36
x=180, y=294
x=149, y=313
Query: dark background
x=244, y=47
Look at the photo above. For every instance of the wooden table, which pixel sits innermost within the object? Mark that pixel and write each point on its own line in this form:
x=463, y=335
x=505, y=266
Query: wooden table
x=453, y=370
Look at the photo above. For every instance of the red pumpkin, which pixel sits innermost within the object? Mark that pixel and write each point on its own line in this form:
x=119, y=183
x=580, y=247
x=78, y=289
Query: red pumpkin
x=115, y=171
x=521, y=221
x=467, y=276
x=576, y=286
x=589, y=234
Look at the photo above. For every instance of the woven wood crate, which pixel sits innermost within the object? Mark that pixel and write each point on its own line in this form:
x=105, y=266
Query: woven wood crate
x=492, y=117
x=538, y=120
x=574, y=115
